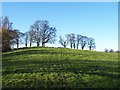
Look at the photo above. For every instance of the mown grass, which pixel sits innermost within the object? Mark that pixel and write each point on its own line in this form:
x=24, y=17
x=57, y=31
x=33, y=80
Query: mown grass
x=59, y=68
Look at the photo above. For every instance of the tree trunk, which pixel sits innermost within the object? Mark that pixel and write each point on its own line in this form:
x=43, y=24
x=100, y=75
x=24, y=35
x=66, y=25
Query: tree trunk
x=82, y=47
x=71, y=45
x=30, y=44
x=64, y=46
x=26, y=44
x=17, y=43
x=77, y=46
x=37, y=44
x=74, y=45
x=43, y=44
x=90, y=48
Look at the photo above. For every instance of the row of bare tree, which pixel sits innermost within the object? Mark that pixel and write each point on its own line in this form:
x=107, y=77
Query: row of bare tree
x=9, y=36
x=40, y=32
x=77, y=40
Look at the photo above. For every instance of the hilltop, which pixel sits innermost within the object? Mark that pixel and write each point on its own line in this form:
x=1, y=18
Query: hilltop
x=59, y=68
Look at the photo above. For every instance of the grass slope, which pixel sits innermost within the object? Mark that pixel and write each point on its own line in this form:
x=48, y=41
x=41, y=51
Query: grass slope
x=59, y=68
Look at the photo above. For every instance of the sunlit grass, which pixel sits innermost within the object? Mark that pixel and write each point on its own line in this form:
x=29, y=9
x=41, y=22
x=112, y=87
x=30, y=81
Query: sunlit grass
x=59, y=68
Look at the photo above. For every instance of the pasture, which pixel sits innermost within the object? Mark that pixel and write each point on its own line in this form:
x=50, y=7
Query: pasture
x=59, y=68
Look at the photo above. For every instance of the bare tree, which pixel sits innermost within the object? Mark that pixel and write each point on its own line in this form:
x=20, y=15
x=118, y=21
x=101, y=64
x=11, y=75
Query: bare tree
x=63, y=41
x=5, y=23
x=0, y=39
x=43, y=32
x=111, y=50
x=48, y=33
x=78, y=39
x=18, y=37
x=31, y=35
x=74, y=45
x=91, y=43
x=118, y=51
x=7, y=33
x=26, y=35
x=83, y=41
x=1, y=23
x=37, y=31
x=106, y=50
x=71, y=39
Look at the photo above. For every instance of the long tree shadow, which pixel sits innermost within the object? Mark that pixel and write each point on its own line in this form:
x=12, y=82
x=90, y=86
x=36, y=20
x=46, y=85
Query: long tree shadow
x=25, y=52
x=60, y=62
x=32, y=52
x=101, y=68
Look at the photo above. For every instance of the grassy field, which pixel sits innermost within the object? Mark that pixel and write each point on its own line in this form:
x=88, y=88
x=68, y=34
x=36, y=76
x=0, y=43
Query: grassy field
x=59, y=68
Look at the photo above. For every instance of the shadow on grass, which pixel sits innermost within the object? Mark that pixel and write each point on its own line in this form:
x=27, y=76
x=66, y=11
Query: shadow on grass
x=32, y=52
x=101, y=68
x=83, y=73
x=40, y=52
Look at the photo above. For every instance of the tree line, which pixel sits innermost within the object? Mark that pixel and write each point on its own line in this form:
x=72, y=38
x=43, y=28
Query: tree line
x=77, y=40
x=111, y=50
x=40, y=32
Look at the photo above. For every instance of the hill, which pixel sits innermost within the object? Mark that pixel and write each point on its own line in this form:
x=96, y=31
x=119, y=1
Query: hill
x=59, y=68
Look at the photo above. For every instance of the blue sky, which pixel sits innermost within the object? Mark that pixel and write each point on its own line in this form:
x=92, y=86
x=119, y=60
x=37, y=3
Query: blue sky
x=93, y=19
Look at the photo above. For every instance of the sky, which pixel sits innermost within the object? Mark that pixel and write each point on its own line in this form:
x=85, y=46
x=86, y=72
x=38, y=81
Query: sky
x=92, y=19
x=60, y=0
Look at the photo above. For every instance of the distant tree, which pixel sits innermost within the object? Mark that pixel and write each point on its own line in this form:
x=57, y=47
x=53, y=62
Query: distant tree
x=37, y=32
x=43, y=32
x=78, y=39
x=0, y=39
x=14, y=35
x=91, y=43
x=6, y=45
x=83, y=41
x=18, y=35
x=106, y=50
x=63, y=41
x=20, y=38
x=48, y=33
x=31, y=35
x=74, y=45
x=111, y=50
x=9, y=38
x=26, y=37
x=5, y=23
x=71, y=39
x=117, y=51
x=7, y=33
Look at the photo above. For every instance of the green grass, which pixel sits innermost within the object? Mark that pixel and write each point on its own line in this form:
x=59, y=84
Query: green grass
x=59, y=68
